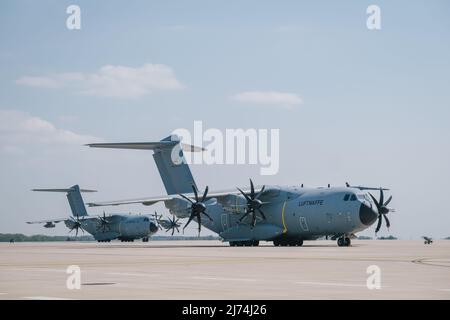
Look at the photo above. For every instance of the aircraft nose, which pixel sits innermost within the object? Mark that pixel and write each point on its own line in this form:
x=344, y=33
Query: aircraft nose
x=367, y=215
x=153, y=227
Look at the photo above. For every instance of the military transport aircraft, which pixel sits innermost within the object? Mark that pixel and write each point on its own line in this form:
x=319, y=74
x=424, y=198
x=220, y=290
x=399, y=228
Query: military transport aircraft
x=243, y=217
x=427, y=240
x=106, y=227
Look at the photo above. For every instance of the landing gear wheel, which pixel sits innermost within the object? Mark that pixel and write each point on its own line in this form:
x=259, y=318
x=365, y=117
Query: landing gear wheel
x=344, y=242
x=347, y=242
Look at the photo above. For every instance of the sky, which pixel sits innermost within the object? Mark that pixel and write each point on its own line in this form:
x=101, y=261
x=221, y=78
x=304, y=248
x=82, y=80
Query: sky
x=371, y=107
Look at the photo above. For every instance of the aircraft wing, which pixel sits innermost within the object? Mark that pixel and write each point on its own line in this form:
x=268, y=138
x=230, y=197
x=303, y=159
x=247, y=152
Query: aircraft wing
x=152, y=200
x=47, y=221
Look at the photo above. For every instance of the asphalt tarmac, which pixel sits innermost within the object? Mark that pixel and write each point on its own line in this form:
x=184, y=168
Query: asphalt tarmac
x=213, y=270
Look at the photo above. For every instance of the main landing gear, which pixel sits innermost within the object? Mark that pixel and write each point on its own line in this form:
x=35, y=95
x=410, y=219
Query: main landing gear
x=344, y=242
x=250, y=243
x=145, y=239
x=127, y=240
x=288, y=242
x=103, y=240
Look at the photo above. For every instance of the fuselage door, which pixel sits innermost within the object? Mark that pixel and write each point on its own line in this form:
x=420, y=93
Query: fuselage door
x=303, y=224
x=224, y=220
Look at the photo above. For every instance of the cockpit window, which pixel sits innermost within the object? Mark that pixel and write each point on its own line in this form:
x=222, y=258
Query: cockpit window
x=353, y=197
x=145, y=219
x=346, y=197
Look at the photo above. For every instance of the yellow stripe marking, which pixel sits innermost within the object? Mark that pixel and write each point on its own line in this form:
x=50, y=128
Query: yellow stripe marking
x=282, y=218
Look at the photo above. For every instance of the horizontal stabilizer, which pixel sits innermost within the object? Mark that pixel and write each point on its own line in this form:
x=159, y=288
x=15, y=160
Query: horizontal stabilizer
x=146, y=146
x=62, y=190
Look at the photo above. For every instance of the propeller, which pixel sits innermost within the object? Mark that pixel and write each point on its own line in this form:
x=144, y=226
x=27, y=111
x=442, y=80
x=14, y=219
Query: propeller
x=103, y=223
x=157, y=219
x=253, y=203
x=76, y=226
x=173, y=224
x=198, y=207
x=383, y=210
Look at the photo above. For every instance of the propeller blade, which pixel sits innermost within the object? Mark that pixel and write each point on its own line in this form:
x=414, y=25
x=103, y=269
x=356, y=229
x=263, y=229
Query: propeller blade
x=379, y=224
x=205, y=194
x=260, y=192
x=381, y=196
x=246, y=196
x=387, y=201
x=208, y=216
x=182, y=195
x=173, y=231
x=388, y=223
x=375, y=201
x=195, y=192
x=242, y=218
x=262, y=214
x=253, y=220
x=199, y=220
x=189, y=221
x=252, y=189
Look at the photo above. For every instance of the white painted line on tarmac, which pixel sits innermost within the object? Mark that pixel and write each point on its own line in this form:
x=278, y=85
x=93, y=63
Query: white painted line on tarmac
x=133, y=274
x=332, y=284
x=223, y=279
x=45, y=298
x=448, y=290
x=2, y=293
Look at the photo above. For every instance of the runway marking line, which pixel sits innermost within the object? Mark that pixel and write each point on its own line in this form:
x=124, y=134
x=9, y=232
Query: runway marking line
x=45, y=298
x=332, y=284
x=132, y=274
x=223, y=279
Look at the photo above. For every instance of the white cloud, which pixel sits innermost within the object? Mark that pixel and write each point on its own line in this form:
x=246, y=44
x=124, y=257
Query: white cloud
x=20, y=131
x=111, y=81
x=275, y=98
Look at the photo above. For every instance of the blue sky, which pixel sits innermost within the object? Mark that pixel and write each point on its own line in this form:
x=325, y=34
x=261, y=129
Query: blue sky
x=375, y=104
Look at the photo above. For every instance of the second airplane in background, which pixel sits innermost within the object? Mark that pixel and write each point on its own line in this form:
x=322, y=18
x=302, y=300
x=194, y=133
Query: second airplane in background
x=124, y=227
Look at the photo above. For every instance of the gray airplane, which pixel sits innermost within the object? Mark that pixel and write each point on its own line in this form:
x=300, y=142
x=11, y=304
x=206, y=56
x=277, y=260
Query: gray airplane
x=427, y=240
x=244, y=217
x=106, y=227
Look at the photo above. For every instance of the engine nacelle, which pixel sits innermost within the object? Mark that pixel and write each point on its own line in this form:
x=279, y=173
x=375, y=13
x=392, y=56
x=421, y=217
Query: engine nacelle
x=178, y=207
x=234, y=204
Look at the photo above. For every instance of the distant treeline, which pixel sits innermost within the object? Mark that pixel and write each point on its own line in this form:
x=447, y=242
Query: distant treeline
x=18, y=237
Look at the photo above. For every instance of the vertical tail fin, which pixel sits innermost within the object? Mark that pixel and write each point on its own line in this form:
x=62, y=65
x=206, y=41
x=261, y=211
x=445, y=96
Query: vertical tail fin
x=176, y=175
x=74, y=197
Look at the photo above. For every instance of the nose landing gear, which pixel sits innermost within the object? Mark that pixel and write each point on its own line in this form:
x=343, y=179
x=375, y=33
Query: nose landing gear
x=344, y=242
